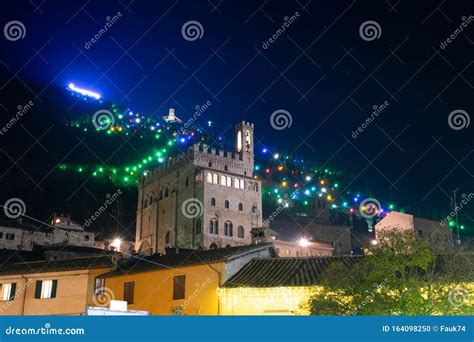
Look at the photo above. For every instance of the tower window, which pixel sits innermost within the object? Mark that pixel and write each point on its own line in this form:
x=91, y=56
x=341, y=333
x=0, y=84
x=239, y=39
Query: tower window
x=241, y=207
x=209, y=177
x=226, y=204
x=213, y=226
x=215, y=179
x=223, y=180
x=213, y=202
x=209, y=164
x=240, y=232
x=228, y=229
x=242, y=184
x=236, y=183
x=229, y=181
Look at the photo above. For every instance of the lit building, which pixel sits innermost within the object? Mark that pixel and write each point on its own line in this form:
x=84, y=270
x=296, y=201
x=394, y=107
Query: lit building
x=203, y=199
x=182, y=284
x=51, y=287
x=274, y=286
x=23, y=235
x=434, y=232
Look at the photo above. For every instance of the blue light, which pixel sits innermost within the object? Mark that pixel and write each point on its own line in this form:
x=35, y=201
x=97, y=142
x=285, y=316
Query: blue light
x=306, y=192
x=313, y=188
x=264, y=150
x=355, y=199
x=182, y=140
x=83, y=91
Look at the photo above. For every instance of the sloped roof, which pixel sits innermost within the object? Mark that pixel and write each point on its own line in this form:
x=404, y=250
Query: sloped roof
x=137, y=264
x=267, y=272
x=57, y=265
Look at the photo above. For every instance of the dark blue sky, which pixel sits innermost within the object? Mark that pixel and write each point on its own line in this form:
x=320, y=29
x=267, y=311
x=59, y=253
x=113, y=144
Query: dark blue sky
x=320, y=70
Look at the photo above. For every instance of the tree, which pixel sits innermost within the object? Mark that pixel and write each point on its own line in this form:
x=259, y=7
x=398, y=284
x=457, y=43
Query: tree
x=400, y=275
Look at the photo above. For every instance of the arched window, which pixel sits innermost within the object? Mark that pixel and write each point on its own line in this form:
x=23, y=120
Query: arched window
x=241, y=207
x=198, y=226
x=228, y=229
x=240, y=232
x=213, y=202
x=242, y=184
x=167, y=238
x=213, y=226
x=215, y=178
x=209, y=177
x=229, y=181
x=226, y=204
x=213, y=246
x=236, y=183
x=223, y=180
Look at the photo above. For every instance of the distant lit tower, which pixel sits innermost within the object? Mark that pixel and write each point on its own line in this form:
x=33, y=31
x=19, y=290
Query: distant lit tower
x=244, y=144
x=171, y=117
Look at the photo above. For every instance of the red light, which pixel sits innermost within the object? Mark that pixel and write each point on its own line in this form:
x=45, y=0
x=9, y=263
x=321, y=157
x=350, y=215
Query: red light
x=267, y=170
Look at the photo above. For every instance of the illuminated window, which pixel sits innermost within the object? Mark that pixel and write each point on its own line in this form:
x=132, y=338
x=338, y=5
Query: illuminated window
x=209, y=177
x=223, y=180
x=229, y=181
x=215, y=179
x=242, y=184
x=7, y=291
x=46, y=289
x=236, y=183
x=99, y=286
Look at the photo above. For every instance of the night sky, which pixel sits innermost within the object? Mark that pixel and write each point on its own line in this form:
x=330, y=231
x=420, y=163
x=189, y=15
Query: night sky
x=320, y=70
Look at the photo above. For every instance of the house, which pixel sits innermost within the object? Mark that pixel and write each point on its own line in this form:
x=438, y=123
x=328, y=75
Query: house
x=184, y=283
x=52, y=287
x=274, y=286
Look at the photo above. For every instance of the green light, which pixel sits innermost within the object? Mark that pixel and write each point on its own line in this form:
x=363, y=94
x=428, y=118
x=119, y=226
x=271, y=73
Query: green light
x=125, y=179
x=336, y=185
x=462, y=227
x=305, y=202
x=101, y=169
x=80, y=169
x=94, y=174
x=109, y=131
x=452, y=223
x=391, y=206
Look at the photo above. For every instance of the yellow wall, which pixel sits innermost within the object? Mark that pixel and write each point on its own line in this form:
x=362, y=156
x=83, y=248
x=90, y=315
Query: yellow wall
x=74, y=292
x=154, y=290
x=265, y=301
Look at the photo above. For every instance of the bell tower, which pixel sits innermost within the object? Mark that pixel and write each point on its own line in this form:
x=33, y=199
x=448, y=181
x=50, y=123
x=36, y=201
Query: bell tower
x=244, y=142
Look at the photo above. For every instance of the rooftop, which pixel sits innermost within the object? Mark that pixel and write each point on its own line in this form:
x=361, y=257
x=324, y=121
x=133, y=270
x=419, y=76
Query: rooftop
x=58, y=265
x=268, y=272
x=137, y=264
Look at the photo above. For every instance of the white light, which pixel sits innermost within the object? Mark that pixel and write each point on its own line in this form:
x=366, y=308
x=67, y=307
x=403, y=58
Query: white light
x=308, y=178
x=58, y=220
x=374, y=242
x=303, y=242
x=116, y=244
x=276, y=156
x=324, y=190
x=84, y=92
